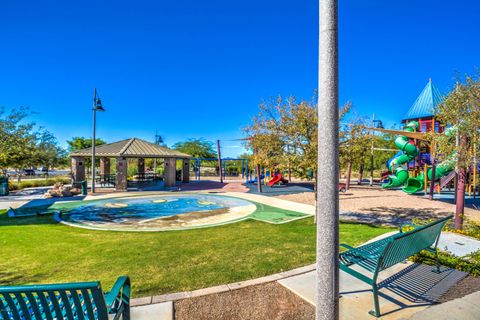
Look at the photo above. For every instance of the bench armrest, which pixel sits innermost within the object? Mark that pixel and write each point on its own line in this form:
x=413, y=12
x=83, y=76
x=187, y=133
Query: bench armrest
x=347, y=246
x=120, y=292
x=359, y=251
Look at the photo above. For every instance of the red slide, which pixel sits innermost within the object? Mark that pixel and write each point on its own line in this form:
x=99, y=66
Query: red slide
x=276, y=179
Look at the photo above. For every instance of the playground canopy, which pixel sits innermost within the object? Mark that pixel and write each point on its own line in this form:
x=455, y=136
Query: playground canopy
x=130, y=148
x=424, y=105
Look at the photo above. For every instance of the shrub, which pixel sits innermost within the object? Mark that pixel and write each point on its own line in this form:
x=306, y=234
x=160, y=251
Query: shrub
x=469, y=264
x=36, y=183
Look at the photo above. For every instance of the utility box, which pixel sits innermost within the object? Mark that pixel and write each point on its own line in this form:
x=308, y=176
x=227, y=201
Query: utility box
x=84, y=187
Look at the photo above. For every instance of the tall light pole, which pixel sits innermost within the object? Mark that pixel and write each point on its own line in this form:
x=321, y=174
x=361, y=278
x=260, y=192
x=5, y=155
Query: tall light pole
x=327, y=207
x=219, y=162
x=97, y=106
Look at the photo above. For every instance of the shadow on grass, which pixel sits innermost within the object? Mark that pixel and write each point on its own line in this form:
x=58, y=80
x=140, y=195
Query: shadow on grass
x=6, y=221
x=16, y=278
x=38, y=211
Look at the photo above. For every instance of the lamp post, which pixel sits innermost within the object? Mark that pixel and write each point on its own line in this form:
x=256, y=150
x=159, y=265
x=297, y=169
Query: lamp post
x=97, y=106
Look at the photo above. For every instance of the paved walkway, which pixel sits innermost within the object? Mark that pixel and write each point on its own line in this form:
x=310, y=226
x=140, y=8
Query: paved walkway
x=398, y=298
x=458, y=244
x=157, y=311
x=466, y=308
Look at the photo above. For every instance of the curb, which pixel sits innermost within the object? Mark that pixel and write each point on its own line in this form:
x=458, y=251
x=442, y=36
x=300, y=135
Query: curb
x=219, y=289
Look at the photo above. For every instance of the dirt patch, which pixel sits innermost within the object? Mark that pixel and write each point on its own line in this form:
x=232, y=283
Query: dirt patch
x=386, y=205
x=266, y=301
x=465, y=286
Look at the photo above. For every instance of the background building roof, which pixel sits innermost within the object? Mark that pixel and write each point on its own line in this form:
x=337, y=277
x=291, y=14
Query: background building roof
x=131, y=148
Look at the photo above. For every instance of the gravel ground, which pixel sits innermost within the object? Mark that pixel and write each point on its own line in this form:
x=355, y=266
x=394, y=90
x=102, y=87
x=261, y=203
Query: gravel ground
x=465, y=286
x=261, y=302
x=385, y=206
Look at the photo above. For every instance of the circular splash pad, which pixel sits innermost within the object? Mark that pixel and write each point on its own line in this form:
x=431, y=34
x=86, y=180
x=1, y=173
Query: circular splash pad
x=159, y=213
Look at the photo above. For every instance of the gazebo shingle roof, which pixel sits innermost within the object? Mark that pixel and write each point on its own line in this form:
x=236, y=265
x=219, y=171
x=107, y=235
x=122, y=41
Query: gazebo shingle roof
x=131, y=148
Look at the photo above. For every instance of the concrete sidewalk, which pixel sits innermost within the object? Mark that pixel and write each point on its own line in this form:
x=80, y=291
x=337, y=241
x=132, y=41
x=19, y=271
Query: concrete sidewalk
x=466, y=308
x=405, y=289
x=157, y=311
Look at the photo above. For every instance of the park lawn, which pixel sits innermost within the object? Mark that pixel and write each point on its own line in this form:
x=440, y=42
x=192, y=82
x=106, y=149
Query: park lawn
x=40, y=250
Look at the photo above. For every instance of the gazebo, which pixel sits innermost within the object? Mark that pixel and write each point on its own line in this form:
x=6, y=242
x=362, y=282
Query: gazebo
x=127, y=149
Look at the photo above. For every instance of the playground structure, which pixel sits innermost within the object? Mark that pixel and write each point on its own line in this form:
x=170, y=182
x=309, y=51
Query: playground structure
x=269, y=178
x=416, y=162
x=277, y=179
x=244, y=171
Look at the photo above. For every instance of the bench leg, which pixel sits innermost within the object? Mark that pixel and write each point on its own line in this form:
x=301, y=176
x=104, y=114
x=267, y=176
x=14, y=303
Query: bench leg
x=437, y=262
x=376, y=312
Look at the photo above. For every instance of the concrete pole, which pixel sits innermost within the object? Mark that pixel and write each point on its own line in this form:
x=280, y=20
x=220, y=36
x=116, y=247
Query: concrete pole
x=94, y=138
x=219, y=162
x=372, y=151
x=327, y=208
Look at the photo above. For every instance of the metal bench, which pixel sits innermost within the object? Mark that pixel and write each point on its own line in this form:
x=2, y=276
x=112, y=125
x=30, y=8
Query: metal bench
x=72, y=301
x=385, y=253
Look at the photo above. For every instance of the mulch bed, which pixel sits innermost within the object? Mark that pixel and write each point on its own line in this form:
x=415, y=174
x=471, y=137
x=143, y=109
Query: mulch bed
x=273, y=301
x=464, y=287
x=265, y=301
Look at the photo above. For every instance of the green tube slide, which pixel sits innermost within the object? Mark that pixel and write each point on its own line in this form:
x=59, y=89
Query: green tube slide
x=417, y=184
x=397, y=165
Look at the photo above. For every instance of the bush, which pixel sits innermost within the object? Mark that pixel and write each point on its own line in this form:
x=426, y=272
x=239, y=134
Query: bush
x=36, y=183
x=469, y=264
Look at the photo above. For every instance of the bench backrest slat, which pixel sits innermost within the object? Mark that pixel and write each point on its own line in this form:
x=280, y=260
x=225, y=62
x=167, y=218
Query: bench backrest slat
x=78, y=305
x=67, y=301
x=404, y=245
x=47, y=312
x=88, y=303
x=34, y=305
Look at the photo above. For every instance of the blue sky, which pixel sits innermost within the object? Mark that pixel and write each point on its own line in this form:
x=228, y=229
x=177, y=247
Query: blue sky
x=199, y=68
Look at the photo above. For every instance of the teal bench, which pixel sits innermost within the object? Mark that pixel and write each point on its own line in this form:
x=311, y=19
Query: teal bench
x=72, y=301
x=385, y=253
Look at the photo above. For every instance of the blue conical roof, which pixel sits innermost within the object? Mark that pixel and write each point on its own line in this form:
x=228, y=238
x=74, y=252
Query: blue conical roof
x=426, y=102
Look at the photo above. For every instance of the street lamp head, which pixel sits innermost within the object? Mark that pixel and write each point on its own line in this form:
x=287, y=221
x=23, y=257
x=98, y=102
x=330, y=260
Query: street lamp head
x=378, y=124
x=98, y=105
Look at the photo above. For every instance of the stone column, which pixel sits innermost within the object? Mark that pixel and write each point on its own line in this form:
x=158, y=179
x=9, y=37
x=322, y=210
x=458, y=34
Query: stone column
x=169, y=172
x=121, y=184
x=104, y=166
x=78, y=168
x=141, y=167
x=185, y=170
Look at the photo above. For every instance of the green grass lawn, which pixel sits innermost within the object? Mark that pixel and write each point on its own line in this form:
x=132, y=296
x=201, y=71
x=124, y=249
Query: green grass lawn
x=39, y=250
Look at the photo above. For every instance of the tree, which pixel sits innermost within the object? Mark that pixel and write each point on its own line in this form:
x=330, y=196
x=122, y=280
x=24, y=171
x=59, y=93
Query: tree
x=17, y=139
x=78, y=143
x=48, y=154
x=354, y=143
x=460, y=109
x=284, y=133
x=197, y=148
x=22, y=144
